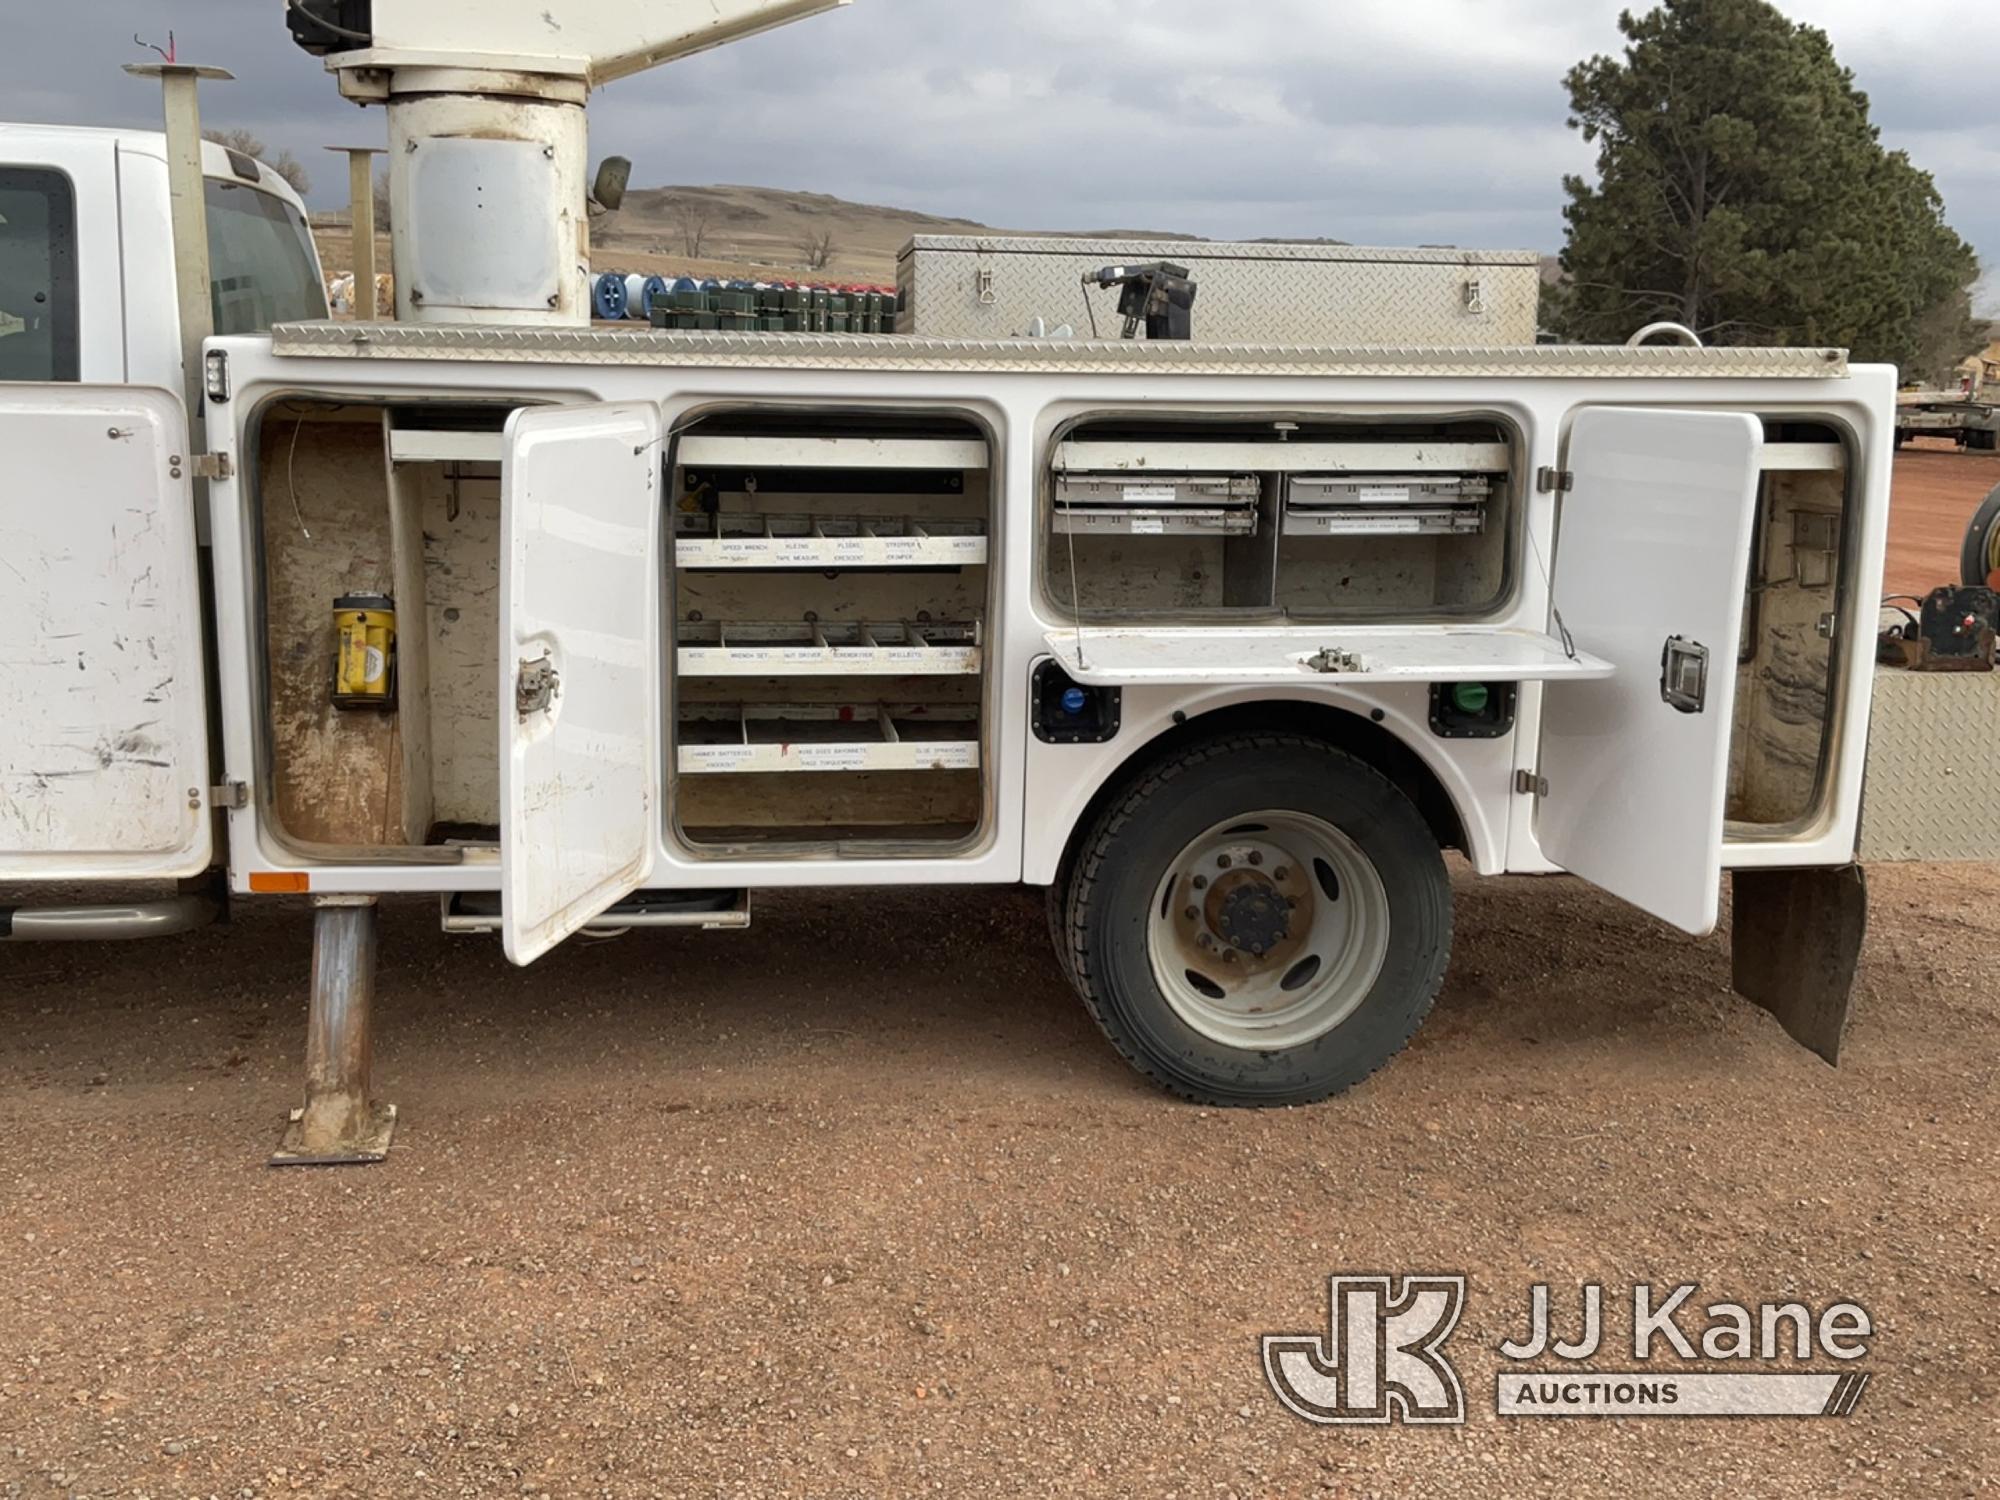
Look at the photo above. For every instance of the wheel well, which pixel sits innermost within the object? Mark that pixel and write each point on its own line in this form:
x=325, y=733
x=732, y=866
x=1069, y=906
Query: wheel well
x=1358, y=736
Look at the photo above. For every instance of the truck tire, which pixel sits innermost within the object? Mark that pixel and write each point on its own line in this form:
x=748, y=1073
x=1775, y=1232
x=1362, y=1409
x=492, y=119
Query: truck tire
x=1259, y=920
x=1979, y=560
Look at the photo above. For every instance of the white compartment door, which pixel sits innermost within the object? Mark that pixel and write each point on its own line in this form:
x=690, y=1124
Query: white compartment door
x=579, y=678
x=104, y=768
x=1652, y=557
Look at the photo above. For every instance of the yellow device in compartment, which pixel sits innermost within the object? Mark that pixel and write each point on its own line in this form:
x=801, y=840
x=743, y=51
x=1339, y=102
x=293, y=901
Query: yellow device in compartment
x=364, y=667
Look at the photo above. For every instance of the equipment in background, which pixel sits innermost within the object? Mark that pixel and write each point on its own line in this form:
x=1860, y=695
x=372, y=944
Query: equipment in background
x=1979, y=560
x=1953, y=630
x=1160, y=295
x=364, y=670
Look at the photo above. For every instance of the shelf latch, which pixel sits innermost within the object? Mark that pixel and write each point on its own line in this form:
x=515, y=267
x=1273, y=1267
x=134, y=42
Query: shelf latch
x=1550, y=480
x=535, y=687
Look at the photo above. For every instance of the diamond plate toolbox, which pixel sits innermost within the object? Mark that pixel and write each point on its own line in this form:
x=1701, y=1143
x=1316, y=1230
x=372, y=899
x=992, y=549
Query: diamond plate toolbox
x=1933, y=785
x=958, y=286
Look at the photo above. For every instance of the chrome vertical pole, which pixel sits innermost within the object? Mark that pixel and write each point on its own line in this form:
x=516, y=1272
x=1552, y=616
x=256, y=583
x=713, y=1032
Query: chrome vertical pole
x=340, y=1123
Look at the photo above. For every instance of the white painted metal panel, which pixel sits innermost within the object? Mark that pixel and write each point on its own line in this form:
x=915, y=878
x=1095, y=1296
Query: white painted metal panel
x=474, y=206
x=1280, y=654
x=580, y=591
x=1188, y=457
x=831, y=453
x=417, y=445
x=103, y=721
x=1653, y=543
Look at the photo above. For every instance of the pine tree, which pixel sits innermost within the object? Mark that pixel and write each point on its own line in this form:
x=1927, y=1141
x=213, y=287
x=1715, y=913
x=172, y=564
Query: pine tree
x=1743, y=191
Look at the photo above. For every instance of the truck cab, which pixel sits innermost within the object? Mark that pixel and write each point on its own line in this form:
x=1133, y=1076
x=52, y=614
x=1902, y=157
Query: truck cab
x=86, y=285
x=104, y=771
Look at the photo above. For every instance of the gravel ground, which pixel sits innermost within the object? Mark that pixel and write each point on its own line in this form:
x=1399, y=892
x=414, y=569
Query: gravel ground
x=1938, y=487
x=859, y=1204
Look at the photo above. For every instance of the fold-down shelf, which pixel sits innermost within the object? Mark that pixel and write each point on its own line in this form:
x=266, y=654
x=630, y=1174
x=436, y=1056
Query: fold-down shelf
x=1124, y=655
x=780, y=541
x=766, y=737
x=902, y=649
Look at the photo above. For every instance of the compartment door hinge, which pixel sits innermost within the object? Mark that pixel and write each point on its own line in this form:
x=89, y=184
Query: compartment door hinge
x=1553, y=481
x=232, y=796
x=213, y=466
x=1531, y=784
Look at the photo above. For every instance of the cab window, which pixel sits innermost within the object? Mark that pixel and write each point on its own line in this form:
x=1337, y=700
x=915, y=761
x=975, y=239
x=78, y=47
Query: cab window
x=260, y=260
x=38, y=321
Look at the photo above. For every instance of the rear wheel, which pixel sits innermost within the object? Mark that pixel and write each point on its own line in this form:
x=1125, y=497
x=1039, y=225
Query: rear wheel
x=1979, y=560
x=1259, y=920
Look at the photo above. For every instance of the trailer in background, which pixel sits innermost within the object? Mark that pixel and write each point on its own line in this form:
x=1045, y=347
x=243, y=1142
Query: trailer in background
x=1969, y=418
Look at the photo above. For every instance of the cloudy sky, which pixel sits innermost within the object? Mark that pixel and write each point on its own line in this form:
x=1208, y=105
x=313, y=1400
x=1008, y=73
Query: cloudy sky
x=1376, y=121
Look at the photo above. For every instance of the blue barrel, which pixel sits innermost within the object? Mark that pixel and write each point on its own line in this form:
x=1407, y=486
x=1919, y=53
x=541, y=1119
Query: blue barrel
x=607, y=296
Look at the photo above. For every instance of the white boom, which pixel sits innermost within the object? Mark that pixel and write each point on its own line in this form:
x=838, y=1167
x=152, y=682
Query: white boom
x=487, y=139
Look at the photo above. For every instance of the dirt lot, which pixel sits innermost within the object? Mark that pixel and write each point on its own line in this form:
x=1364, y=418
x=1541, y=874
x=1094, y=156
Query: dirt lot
x=858, y=1204
x=1938, y=487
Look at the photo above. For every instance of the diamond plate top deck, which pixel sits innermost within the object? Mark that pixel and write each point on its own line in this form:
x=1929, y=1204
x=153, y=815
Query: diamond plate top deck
x=995, y=286
x=613, y=346
x=1183, y=251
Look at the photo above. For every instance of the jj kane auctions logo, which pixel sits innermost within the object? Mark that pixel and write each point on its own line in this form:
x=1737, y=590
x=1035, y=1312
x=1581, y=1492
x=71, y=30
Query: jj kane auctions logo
x=1382, y=1358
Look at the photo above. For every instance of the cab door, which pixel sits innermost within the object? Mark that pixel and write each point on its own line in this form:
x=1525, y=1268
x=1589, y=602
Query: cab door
x=104, y=769
x=1652, y=559
x=579, y=666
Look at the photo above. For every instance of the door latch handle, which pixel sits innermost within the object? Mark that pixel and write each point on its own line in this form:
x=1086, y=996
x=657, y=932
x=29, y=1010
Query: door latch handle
x=535, y=686
x=1684, y=675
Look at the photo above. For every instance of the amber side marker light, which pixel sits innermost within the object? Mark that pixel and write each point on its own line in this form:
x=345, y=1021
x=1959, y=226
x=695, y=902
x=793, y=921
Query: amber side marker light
x=278, y=883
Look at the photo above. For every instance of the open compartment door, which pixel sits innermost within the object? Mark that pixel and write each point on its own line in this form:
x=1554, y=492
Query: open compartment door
x=104, y=770
x=1652, y=556
x=579, y=692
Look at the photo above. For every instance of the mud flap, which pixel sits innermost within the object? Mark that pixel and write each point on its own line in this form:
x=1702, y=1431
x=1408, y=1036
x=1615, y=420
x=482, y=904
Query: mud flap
x=1795, y=946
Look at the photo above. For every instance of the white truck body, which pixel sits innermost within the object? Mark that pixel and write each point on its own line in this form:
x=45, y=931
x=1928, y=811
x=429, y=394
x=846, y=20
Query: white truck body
x=683, y=616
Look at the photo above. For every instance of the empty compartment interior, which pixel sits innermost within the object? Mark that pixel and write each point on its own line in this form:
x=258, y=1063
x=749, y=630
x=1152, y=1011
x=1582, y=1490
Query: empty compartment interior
x=402, y=503
x=830, y=599
x=1298, y=517
x=1788, y=656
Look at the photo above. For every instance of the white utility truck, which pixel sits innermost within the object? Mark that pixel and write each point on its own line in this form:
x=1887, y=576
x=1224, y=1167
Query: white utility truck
x=1225, y=645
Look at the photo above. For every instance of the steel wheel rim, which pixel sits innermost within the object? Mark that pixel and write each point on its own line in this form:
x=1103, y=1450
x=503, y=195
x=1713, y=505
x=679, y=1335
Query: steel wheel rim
x=1268, y=930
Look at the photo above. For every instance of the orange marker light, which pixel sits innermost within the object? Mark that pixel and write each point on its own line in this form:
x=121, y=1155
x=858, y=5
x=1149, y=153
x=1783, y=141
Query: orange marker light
x=277, y=883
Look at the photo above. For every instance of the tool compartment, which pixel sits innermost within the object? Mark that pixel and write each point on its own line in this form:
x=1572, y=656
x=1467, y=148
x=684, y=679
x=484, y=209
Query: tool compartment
x=1305, y=517
x=830, y=593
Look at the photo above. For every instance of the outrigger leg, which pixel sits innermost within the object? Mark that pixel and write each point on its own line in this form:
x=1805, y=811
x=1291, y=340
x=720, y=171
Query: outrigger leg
x=339, y=1125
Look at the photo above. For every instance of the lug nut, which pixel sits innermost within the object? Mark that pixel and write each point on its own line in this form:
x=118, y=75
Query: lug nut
x=1192, y=913
x=1282, y=872
x=1222, y=861
x=1256, y=858
x=1201, y=882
